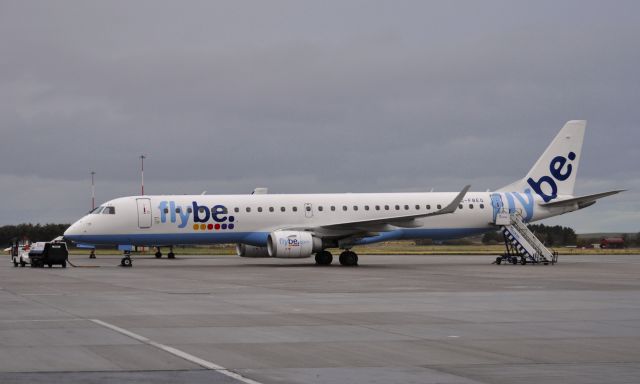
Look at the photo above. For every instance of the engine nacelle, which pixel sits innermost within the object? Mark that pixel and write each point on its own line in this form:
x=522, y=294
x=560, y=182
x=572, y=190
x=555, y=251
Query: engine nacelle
x=244, y=250
x=292, y=244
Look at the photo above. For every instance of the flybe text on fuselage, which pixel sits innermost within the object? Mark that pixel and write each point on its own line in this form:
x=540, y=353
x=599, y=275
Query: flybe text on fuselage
x=202, y=216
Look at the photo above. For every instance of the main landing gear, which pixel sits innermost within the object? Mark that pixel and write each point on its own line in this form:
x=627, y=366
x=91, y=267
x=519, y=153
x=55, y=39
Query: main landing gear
x=170, y=255
x=347, y=258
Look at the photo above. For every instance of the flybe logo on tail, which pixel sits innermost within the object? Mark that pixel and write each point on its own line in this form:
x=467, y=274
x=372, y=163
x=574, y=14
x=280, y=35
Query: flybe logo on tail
x=203, y=217
x=560, y=171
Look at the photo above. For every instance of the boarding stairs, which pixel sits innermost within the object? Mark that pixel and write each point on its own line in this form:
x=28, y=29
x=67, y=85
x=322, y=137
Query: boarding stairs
x=522, y=244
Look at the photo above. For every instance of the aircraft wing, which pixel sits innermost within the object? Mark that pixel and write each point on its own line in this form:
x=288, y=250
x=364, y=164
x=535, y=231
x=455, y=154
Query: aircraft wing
x=582, y=201
x=372, y=226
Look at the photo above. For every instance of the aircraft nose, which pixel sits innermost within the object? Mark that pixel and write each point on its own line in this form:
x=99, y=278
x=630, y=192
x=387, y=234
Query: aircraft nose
x=74, y=230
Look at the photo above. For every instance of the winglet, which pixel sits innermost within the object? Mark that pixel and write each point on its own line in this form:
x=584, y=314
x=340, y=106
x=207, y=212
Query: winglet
x=453, y=205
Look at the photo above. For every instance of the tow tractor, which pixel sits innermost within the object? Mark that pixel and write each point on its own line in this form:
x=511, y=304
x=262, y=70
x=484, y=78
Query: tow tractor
x=49, y=253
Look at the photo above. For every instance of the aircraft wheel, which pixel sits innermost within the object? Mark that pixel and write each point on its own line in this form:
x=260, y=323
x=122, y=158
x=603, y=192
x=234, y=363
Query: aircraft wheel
x=64, y=264
x=126, y=262
x=171, y=255
x=498, y=260
x=324, y=258
x=523, y=261
x=514, y=261
x=158, y=255
x=348, y=258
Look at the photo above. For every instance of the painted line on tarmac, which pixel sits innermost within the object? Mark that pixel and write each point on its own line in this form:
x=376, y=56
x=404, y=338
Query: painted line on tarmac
x=176, y=352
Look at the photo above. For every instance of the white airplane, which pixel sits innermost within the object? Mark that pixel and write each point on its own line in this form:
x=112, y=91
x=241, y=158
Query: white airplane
x=300, y=225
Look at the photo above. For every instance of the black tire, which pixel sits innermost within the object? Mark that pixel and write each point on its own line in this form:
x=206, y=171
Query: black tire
x=171, y=255
x=50, y=265
x=64, y=264
x=22, y=264
x=348, y=258
x=15, y=263
x=523, y=261
x=324, y=258
x=158, y=255
x=126, y=262
x=498, y=260
x=514, y=260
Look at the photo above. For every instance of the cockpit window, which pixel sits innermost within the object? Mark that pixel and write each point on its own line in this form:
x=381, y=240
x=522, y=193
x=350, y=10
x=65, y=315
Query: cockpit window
x=96, y=210
x=109, y=211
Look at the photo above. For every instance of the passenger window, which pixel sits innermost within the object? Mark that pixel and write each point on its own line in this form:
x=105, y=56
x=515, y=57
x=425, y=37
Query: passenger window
x=386, y=207
x=366, y=207
x=470, y=206
x=282, y=209
x=308, y=208
x=166, y=210
x=428, y=206
x=417, y=207
x=248, y=209
x=355, y=207
x=294, y=209
x=178, y=210
x=333, y=207
x=397, y=207
x=236, y=209
x=201, y=209
x=320, y=208
x=460, y=206
x=191, y=210
x=406, y=207
x=377, y=207
x=344, y=207
x=481, y=206
x=259, y=209
x=439, y=206
x=270, y=209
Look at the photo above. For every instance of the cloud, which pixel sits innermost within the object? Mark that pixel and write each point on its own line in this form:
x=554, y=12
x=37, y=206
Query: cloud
x=312, y=97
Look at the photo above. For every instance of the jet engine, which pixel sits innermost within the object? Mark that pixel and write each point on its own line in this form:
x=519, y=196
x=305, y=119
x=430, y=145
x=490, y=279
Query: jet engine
x=292, y=244
x=244, y=250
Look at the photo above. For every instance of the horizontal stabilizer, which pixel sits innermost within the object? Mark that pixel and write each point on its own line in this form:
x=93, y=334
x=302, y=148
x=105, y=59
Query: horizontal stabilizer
x=582, y=201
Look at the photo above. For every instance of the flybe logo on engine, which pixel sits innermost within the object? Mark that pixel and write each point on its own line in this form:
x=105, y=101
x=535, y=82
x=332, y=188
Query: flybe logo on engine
x=558, y=173
x=290, y=241
x=203, y=217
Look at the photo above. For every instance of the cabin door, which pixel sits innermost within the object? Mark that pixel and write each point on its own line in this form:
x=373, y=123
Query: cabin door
x=144, y=213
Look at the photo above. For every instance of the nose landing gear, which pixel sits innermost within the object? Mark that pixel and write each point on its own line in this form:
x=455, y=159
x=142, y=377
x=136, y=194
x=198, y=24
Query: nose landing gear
x=126, y=260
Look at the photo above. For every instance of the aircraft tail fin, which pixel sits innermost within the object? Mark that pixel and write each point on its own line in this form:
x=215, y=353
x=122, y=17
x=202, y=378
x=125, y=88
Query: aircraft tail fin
x=555, y=171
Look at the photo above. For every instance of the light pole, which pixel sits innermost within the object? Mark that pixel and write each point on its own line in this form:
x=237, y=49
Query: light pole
x=142, y=157
x=93, y=192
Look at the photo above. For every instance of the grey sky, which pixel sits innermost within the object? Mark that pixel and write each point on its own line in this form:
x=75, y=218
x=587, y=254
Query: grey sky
x=344, y=96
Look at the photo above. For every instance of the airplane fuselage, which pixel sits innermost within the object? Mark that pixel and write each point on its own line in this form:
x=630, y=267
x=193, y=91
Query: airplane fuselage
x=248, y=219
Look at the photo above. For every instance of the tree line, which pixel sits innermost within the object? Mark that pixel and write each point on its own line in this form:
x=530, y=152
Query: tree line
x=33, y=232
x=550, y=235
